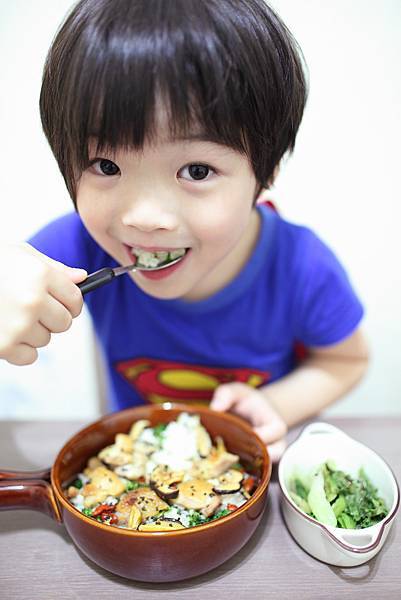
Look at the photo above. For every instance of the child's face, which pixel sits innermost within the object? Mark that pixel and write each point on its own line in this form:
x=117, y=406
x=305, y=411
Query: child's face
x=175, y=194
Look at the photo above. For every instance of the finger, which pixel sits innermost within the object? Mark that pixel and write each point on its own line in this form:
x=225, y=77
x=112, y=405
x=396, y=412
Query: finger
x=54, y=316
x=272, y=431
x=38, y=337
x=66, y=292
x=76, y=274
x=227, y=395
x=276, y=450
x=23, y=354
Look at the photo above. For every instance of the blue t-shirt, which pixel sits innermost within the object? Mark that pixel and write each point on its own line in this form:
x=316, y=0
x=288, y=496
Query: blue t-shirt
x=291, y=291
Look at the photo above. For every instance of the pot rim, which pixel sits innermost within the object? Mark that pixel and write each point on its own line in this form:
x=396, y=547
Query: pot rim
x=260, y=490
x=380, y=526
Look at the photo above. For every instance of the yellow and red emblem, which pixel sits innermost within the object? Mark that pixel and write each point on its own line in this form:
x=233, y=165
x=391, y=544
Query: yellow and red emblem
x=159, y=381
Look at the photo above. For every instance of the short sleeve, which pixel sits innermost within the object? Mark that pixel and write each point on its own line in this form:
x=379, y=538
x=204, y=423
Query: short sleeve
x=326, y=308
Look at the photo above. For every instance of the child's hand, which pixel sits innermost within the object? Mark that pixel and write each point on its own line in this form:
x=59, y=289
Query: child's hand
x=252, y=405
x=38, y=297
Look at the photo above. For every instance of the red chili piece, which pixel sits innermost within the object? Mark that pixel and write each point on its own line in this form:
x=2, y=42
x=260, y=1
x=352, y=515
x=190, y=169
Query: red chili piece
x=101, y=509
x=232, y=506
x=249, y=484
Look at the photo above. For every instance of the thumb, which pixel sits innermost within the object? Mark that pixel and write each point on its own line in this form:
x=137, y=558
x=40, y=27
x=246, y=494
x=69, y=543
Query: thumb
x=75, y=274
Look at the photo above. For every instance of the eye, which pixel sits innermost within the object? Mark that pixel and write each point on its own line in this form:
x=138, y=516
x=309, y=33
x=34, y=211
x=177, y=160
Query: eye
x=195, y=172
x=103, y=166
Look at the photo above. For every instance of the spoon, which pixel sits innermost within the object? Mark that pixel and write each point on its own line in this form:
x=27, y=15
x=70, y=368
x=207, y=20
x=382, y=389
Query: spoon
x=103, y=276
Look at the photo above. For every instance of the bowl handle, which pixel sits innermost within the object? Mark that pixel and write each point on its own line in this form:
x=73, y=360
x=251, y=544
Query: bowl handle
x=319, y=428
x=367, y=541
x=28, y=490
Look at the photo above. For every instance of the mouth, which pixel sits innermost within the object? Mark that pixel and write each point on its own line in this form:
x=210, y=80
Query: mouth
x=157, y=258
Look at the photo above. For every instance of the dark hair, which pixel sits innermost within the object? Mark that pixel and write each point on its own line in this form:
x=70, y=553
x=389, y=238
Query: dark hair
x=230, y=68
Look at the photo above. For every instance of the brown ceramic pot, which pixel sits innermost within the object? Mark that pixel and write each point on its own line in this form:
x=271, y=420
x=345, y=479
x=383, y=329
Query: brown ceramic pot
x=144, y=556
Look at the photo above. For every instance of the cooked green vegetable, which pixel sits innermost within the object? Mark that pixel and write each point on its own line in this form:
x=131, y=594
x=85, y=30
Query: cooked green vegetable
x=335, y=498
x=320, y=506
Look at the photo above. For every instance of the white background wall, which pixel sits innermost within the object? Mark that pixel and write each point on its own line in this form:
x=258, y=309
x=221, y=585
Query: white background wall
x=343, y=181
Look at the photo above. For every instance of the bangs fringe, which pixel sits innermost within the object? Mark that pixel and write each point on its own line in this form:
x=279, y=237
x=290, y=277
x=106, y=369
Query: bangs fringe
x=209, y=65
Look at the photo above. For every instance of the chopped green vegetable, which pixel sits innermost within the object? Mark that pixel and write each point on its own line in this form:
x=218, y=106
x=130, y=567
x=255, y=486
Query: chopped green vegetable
x=303, y=504
x=158, y=431
x=195, y=518
x=345, y=521
x=220, y=513
x=77, y=484
x=87, y=512
x=339, y=505
x=133, y=485
x=337, y=499
x=318, y=502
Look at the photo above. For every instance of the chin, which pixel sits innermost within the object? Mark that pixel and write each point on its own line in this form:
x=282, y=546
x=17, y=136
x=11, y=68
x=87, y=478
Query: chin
x=161, y=292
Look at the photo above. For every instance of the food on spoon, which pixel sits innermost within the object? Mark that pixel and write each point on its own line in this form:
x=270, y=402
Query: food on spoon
x=146, y=258
x=162, y=478
x=335, y=498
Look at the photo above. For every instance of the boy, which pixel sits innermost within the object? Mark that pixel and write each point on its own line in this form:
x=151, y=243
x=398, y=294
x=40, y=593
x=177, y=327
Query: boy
x=167, y=119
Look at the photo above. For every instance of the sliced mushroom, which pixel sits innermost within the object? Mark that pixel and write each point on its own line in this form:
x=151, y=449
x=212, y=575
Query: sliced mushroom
x=203, y=441
x=164, y=481
x=198, y=494
x=114, y=456
x=103, y=483
x=229, y=482
x=145, y=499
x=161, y=525
x=137, y=429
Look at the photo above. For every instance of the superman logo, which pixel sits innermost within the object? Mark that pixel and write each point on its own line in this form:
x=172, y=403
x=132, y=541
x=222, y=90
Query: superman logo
x=159, y=381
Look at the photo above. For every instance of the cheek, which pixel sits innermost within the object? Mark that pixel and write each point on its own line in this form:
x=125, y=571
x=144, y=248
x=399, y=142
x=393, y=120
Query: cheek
x=224, y=220
x=93, y=210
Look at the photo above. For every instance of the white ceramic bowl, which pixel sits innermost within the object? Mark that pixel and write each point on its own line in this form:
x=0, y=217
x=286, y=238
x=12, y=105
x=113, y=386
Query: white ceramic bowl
x=317, y=443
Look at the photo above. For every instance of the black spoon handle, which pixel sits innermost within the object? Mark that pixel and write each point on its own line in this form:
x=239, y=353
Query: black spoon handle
x=96, y=280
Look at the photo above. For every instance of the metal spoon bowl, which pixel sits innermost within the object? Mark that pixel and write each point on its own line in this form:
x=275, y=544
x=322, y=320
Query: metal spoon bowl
x=103, y=276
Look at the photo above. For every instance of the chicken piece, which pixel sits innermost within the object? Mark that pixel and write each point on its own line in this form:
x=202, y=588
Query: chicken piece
x=144, y=448
x=135, y=469
x=215, y=465
x=91, y=465
x=124, y=442
x=103, y=483
x=145, y=499
x=72, y=492
x=203, y=441
x=198, y=494
x=137, y=429
x=115, y=456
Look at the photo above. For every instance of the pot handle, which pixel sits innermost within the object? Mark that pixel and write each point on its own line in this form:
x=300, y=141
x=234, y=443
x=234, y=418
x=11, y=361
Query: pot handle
x=28, y=490
x=42, y=474
x=357, y=542
x=319, y=428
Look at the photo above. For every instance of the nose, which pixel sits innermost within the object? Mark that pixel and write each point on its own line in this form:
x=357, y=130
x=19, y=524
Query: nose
x=149, y=214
